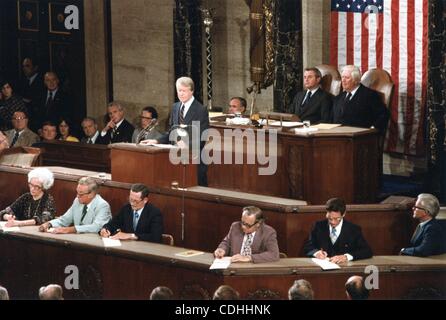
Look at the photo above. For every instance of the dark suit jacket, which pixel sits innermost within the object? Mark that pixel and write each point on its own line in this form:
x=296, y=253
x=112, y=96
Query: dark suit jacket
x=61, y=107
x=318, y=108
x=264, y=247
x=196, y=112
x=364, y=110
x=430, y=241
x=349, y=241
x=149, y=227
x=123, y=134
x=32, y=92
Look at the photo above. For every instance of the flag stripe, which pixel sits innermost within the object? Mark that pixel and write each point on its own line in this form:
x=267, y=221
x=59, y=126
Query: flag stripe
x=334, y=40
x=379, y=42
x=364, y=29
x=350, y=36
x=410, y=102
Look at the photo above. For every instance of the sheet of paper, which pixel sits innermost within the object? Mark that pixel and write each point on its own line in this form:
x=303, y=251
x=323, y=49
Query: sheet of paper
x=8, y=229
x=222, y=263
x=164, y=146
x=325, y=126
x=305, y=130
x=189, y=253
x=286, y=124
x=325, y=264
x=111, y=242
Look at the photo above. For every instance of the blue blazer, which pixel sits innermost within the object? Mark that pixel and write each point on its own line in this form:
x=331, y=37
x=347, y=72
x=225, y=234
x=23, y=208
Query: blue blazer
x=429, y=241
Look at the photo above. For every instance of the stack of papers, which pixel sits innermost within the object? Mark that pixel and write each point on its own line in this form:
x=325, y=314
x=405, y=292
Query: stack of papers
x=8, y=229
x=325, y=264
x=220, y=263
x=111, y=242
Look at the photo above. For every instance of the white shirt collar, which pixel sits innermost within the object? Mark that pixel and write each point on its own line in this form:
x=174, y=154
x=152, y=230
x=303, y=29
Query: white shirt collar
x=32, y=78
x=354, y=91
x=338, y=227
x=119, y=123
x=54, y=93
x=95, y=136
x=188, y=104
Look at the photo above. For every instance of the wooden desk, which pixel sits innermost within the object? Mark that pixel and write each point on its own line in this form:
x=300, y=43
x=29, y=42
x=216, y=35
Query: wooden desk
x=314, y=166
x=31, y=259
x=149, y=165
x=208, y=213
x=94, y=157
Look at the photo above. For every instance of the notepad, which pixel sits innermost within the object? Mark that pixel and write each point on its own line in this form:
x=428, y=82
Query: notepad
x=325, y=264
x=111, y=242
x=8, y=229
x=189, y=253
x=220, y=263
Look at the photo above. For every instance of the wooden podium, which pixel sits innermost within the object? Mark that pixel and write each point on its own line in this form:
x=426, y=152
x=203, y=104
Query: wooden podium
x=149, y=165
x=20, y=157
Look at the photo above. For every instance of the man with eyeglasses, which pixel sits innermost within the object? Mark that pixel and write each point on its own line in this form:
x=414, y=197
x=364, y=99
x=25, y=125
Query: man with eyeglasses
x=137, y=220
x=20, y=135
x=88, y=213
x=429, y=237
x=149, y=121
x=250, y=240
x=336, y=238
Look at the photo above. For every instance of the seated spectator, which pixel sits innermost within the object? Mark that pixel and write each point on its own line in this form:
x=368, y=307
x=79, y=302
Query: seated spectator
x=4, y=143
x=137, y=220
x=90, y=128
x=9, y=103
x=161, y=293
x=51, y=292
x=226, y=292
x=88, y=213
x=31, y=85
x=64, y=130
x=237, y=105
x=428, y=238
x=4, y=293
x=301, y=290
x=49, y=131
x=336, y=238
x=35, y=207
x=149, y=121
x=250, y=240
x=118, y=129
x=21, y=135
x=355, y=288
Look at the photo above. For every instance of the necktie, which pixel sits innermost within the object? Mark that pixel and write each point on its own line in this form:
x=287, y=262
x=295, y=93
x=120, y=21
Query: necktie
x=181, y=117
x=135, y=219
x=14, y=140
x=113, y=133
x=307, y=98
x=348, y=97
x=333, y=235
x=84, y=212
x=247, y=246
x=50, y=100
x=89, y=141
x=415, y=234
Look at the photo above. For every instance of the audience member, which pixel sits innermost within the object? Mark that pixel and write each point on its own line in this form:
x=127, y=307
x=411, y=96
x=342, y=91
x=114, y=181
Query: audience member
x=355, y=288
x=31, y=85
x=20, y=135
x=4, y=143
x=237, y=105
x=88, y=213
x=137, y=220
x=429, y=236
x=9, y=104
x=35, y=207
x=301, y=290
x=4, y=293
x=161, y=293
x=51, y=292
x=250, y=240
x=337, y=238
x=226, y=292
x=90, y=128
x=48, y=131
x=65, y=132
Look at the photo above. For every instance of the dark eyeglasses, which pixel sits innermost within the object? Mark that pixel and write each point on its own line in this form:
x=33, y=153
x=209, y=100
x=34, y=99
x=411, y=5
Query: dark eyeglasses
x=247, y=225
x=418, y=208
x=148, y=118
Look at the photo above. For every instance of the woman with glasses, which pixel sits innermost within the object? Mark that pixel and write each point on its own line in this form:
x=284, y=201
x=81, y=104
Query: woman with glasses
x=34, y=207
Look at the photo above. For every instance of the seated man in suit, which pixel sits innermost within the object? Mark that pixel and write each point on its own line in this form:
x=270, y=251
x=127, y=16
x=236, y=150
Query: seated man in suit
x=237, y=105
x=90, y=128
x=337, y=238
x=313, y=104
x=20, y=135
x=137, y=220
x=428, y=238
x=149, y=121
x=357, y=105
x=117, y=129
x=250, y=240
x=88, y=213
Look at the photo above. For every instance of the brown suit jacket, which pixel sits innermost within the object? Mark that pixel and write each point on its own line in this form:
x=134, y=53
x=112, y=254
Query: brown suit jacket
x=26, y=139
x=264, y=247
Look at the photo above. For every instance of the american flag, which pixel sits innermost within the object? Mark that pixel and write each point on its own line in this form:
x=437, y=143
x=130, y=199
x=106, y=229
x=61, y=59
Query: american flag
x=391, y=35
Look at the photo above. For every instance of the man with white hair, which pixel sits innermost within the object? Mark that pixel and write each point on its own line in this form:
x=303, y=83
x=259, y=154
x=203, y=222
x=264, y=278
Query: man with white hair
x=357, y=105
x=428, y=238
x=118, y=129
x=51, y=292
